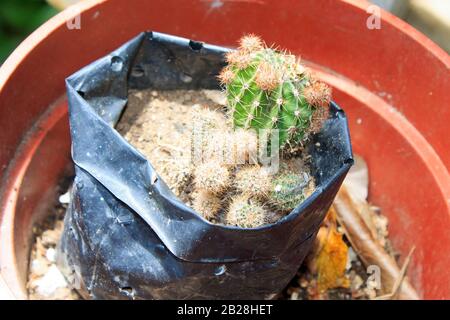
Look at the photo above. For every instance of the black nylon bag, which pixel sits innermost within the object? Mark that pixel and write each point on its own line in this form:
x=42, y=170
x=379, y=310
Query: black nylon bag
x=126, y=235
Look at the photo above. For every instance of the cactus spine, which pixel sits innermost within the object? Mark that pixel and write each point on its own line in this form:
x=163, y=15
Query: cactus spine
x=267, y=89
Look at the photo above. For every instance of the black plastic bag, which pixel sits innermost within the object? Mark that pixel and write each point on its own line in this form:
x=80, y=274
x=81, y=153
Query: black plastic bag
x=127, y=236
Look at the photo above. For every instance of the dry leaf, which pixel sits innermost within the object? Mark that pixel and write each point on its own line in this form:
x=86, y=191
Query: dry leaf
x=329, y=256
x=357, y=180
x=357, y=184
x=367, y=247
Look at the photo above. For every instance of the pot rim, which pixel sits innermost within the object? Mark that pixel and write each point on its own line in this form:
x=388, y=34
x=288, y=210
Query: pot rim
x=35, y=38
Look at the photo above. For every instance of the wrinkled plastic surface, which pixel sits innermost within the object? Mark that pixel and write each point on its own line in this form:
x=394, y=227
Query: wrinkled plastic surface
x=127, y=236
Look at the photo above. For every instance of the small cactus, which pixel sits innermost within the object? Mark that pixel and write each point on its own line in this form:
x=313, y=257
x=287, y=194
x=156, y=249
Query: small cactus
x=245, y=212
x=253, y=181
x=287, y=190
x=206, y=119
x=212, y=176
x=268, y=89
x=216, y=146
x=242, y=147
x=206, y=203
x=208, y=128
x=228, y=147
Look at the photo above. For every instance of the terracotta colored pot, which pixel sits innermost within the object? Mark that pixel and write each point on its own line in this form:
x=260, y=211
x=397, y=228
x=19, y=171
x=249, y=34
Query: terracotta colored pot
x=393, y=82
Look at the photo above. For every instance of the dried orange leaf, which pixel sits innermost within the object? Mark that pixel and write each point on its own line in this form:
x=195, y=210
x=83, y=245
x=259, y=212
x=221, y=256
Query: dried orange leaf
x=331, y=258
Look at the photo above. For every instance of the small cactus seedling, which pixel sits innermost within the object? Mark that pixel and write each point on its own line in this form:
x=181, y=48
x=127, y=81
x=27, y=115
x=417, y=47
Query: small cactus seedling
x=228, y=147
x=245, y=146
x=287, y=190
x=268, y=89
x=206, y=203
x=254, y=181
x=245, y=212
x=216, y=146
x=208, y=133
x=207, y=119
x=212, y=176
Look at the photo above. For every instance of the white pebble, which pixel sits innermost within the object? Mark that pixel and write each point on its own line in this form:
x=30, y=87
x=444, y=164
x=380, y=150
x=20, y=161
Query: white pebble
x=64, y=198
x=50, y=282
x=39, y=267
x=351, y=257
x=50, y=254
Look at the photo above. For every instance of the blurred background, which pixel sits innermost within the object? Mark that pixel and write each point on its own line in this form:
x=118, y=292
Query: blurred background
x=18, y=18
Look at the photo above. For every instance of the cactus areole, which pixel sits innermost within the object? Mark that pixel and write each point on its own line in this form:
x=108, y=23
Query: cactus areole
x=127, y=236
x=268, y=89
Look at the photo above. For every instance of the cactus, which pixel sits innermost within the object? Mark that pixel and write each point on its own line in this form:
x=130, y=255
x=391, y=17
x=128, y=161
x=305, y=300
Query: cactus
x=245, y=146
x=268, y=89
x=227, y=147
x=212, y=176
x=206, y=203
x=288, y=190
x=253, y=181
x=206, y=119
x=245, y=212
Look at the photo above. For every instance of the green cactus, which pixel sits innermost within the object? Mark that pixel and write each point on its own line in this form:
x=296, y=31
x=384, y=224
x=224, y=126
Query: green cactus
x=268, y=89
x=254, y=181
x=245, y=212
x=212, y=176
x=288, y=190
x=207, y=204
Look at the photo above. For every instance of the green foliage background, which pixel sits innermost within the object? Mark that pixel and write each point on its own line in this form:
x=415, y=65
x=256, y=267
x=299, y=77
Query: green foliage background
x=19, y=18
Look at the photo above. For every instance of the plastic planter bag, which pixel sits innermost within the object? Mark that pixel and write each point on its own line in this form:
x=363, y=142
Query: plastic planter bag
x=127, y=236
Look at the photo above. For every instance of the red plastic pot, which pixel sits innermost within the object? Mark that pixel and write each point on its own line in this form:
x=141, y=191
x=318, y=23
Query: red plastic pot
x=392, y=81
